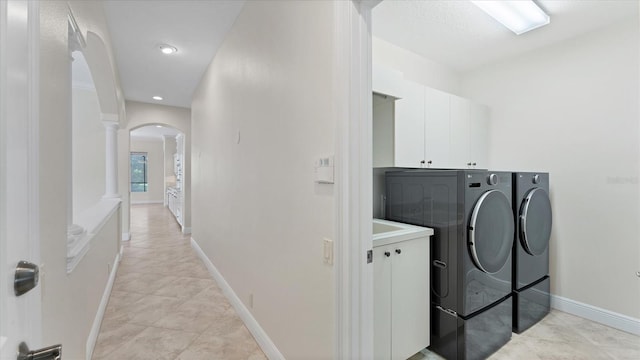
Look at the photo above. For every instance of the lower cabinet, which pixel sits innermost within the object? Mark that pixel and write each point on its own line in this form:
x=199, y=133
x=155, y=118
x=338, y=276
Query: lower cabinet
x=174, y=202
x=401, y=299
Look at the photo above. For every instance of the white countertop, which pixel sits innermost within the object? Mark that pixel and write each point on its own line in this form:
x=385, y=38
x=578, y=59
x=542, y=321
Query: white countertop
x=389, y=232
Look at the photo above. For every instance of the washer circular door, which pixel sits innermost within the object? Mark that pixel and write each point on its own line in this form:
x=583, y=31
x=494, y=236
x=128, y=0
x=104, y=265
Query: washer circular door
x=535, y=222
x=491, y=231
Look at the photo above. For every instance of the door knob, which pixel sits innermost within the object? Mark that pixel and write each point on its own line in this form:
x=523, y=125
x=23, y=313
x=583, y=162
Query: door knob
x=26, y=277
x=387, y=254
x=398, y=251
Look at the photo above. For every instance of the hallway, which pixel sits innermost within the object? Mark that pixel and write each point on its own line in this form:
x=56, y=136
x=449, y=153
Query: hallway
x=164, y=303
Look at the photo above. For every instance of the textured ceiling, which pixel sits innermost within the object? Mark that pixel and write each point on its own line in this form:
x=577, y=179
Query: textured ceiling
x=459, y=35
x=196, y=28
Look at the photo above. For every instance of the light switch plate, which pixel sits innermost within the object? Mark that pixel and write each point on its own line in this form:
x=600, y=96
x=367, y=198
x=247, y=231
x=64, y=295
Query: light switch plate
x=324, y=169
x=328, y=251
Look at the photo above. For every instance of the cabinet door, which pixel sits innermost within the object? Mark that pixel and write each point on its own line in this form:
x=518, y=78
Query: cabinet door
x=409, y=127
x=410, y=306
x=479, y=135
x=383, y=119
x=459, y=133
x=436, y=127
x=381, y=303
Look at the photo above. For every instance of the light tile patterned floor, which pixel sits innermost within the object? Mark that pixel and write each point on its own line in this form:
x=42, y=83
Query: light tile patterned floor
x=164, y=303
x=561, y=336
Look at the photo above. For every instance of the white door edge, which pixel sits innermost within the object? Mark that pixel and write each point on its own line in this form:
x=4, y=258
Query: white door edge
x=19, y=170
x=353, y=276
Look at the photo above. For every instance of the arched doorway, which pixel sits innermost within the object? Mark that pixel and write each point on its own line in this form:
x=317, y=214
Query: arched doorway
x=156, y=171
x=142, y=117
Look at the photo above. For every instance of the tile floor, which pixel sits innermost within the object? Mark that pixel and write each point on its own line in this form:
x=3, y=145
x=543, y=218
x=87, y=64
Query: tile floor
x=561, y=336
x=165, y=305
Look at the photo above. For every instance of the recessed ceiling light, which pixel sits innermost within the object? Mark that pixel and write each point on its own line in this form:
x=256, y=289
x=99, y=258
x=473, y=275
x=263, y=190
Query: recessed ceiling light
x=157, y=98
x=168, y=49
x=519, y=16
x=158, y=126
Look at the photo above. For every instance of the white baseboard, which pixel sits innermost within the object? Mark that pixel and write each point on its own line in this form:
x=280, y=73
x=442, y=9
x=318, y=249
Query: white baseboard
x=263, y=340
x=599, y=315
x=144, y=202
x=186, y=230
x=126, y=236
x=97, y=321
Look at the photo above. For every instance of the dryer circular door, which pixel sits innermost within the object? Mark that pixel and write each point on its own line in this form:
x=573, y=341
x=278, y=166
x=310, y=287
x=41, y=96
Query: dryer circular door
x=535, y=222
x=491, y=231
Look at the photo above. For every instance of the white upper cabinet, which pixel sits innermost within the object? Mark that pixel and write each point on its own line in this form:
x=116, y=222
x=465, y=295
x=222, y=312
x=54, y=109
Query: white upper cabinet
x=383, y=123
x=469, y=134
x=429, y=128
x=459, y=133
x=436, y=128
x=479, y=135
x=409, y=127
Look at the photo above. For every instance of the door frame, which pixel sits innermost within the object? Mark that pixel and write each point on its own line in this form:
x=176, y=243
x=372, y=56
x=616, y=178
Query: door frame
x=353, y=277
x=27, y=190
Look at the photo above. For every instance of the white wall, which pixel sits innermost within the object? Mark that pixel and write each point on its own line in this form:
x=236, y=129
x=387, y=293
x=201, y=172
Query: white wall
x=415, y=67
x=69, y=302
x=140, y=114
x=88, y=150
x=572, y=109
x=155, y=170
x=257, y=213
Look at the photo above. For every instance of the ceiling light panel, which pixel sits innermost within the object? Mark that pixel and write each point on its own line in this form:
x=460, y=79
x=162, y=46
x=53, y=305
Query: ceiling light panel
x=518, y=16
x=157, y=98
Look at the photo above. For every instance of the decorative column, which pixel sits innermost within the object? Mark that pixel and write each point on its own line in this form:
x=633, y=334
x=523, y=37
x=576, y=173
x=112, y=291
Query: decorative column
x=111, y=125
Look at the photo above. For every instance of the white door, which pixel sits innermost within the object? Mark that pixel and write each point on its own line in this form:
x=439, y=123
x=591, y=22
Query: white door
x=382, y=303
x=479, y=135
x=410, y=297
x=409, y=127
x=19, y=315
x=459, y=133
x=436, y=127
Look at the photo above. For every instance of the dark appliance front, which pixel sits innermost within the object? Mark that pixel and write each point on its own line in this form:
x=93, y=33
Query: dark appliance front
x=471, y=214
x=531, y=283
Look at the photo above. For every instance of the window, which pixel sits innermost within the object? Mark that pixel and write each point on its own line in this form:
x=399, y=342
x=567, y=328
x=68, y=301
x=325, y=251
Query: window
x=139, y=172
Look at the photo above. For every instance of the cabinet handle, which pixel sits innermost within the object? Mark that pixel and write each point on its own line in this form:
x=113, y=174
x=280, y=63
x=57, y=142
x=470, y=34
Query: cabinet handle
x=398, y=251
x=387, y=254
x=429, y=162
x=468, y=164
x=474, y=164
x=421, y=163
